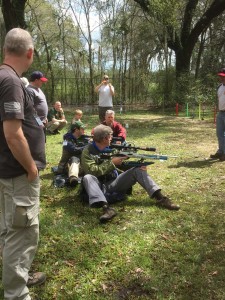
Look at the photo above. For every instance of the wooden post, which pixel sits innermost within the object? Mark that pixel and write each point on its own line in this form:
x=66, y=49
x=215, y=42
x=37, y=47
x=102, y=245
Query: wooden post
x=177, y=109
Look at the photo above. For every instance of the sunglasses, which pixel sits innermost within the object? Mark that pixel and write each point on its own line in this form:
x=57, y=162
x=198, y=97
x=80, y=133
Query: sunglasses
x=106, y=78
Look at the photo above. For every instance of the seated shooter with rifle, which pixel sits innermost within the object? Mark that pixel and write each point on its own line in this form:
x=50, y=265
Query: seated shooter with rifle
x=74, y=142
x=100, y=176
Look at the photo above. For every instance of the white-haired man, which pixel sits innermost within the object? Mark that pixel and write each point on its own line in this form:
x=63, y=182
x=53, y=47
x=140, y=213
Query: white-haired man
x=118, y=130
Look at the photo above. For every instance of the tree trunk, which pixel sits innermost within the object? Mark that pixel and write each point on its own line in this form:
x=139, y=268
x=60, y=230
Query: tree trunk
x=200, y=52
x=183, y=43
x=13, y=13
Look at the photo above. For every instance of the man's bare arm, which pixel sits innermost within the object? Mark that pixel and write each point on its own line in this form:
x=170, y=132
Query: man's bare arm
x=111, y=89
x=98, y=86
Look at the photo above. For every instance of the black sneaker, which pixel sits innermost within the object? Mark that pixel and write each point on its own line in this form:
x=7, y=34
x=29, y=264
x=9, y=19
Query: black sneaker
x=108, y=214
x=35, y=279
x=167, y=203
x=216, y=155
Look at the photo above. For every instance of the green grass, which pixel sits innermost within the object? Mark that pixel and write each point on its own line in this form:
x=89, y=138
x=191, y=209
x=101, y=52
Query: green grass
x=144, y=252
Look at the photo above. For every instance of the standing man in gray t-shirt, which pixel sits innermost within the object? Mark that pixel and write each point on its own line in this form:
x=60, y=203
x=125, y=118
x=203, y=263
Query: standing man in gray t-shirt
x=106, y=92
x=40, y=103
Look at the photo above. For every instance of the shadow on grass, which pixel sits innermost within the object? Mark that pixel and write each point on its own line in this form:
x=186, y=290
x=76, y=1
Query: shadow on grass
x=194, y=164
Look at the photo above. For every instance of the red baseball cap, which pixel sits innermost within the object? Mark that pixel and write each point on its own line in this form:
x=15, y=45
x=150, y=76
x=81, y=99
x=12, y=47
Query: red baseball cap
x=38, y=75
x=221, y=72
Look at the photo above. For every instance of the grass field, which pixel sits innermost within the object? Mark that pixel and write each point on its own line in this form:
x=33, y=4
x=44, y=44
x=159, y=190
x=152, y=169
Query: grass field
x=144, y=252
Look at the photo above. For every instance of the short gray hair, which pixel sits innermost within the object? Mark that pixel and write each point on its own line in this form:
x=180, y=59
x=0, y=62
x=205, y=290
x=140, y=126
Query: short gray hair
x=100, y=132
x=18, y=41
x=110, y=112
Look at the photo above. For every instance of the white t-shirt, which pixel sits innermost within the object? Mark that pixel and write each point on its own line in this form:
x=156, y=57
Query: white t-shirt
x=105, y=97
x=221, y=97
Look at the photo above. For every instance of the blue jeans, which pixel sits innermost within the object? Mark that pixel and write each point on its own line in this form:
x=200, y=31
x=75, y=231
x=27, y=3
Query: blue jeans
x=220, y=130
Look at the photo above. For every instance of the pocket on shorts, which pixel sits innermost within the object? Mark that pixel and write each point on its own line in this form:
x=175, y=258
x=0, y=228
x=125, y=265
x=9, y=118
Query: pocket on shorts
x=19, y=216
x=26, y=193
x=25, y=216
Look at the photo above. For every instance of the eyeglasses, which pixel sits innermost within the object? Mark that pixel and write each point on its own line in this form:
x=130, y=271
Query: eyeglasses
x=106, y=78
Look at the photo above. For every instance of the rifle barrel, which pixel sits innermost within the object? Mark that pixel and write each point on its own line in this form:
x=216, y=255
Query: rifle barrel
x=117, y=146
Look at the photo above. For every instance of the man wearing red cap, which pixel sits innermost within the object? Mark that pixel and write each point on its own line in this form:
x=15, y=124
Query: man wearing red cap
x=40, y=103
x=220, y=119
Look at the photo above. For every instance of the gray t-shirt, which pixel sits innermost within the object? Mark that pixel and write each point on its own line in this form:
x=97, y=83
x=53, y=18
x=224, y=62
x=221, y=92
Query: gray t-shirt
x=40, y=102
x=16, y=103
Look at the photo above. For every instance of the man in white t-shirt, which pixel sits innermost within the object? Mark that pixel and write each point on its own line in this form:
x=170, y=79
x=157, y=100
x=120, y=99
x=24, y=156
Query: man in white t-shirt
x=220, y=118
x=106, y=92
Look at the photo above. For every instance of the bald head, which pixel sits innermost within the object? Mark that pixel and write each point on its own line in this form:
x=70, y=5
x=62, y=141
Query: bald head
x=17, y=42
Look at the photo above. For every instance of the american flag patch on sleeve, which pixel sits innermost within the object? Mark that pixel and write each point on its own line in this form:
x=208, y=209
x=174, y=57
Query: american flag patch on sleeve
x=12, y=107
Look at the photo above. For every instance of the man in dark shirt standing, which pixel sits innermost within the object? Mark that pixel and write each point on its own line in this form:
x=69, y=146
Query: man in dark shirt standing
x=22, y=155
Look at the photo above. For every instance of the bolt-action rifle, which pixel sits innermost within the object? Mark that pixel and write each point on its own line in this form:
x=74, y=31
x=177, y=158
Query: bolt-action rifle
x=139, y=158
x=83, y=140
x=126, y=146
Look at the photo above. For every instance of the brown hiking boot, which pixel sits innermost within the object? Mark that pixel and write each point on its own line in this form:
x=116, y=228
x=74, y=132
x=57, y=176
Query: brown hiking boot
x=36, y=279
x=167, y=203
x=216, y=155
x=108, y=214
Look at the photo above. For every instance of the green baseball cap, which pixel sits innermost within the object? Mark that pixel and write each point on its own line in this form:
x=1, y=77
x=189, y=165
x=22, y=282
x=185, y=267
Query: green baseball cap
x=77, y=125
